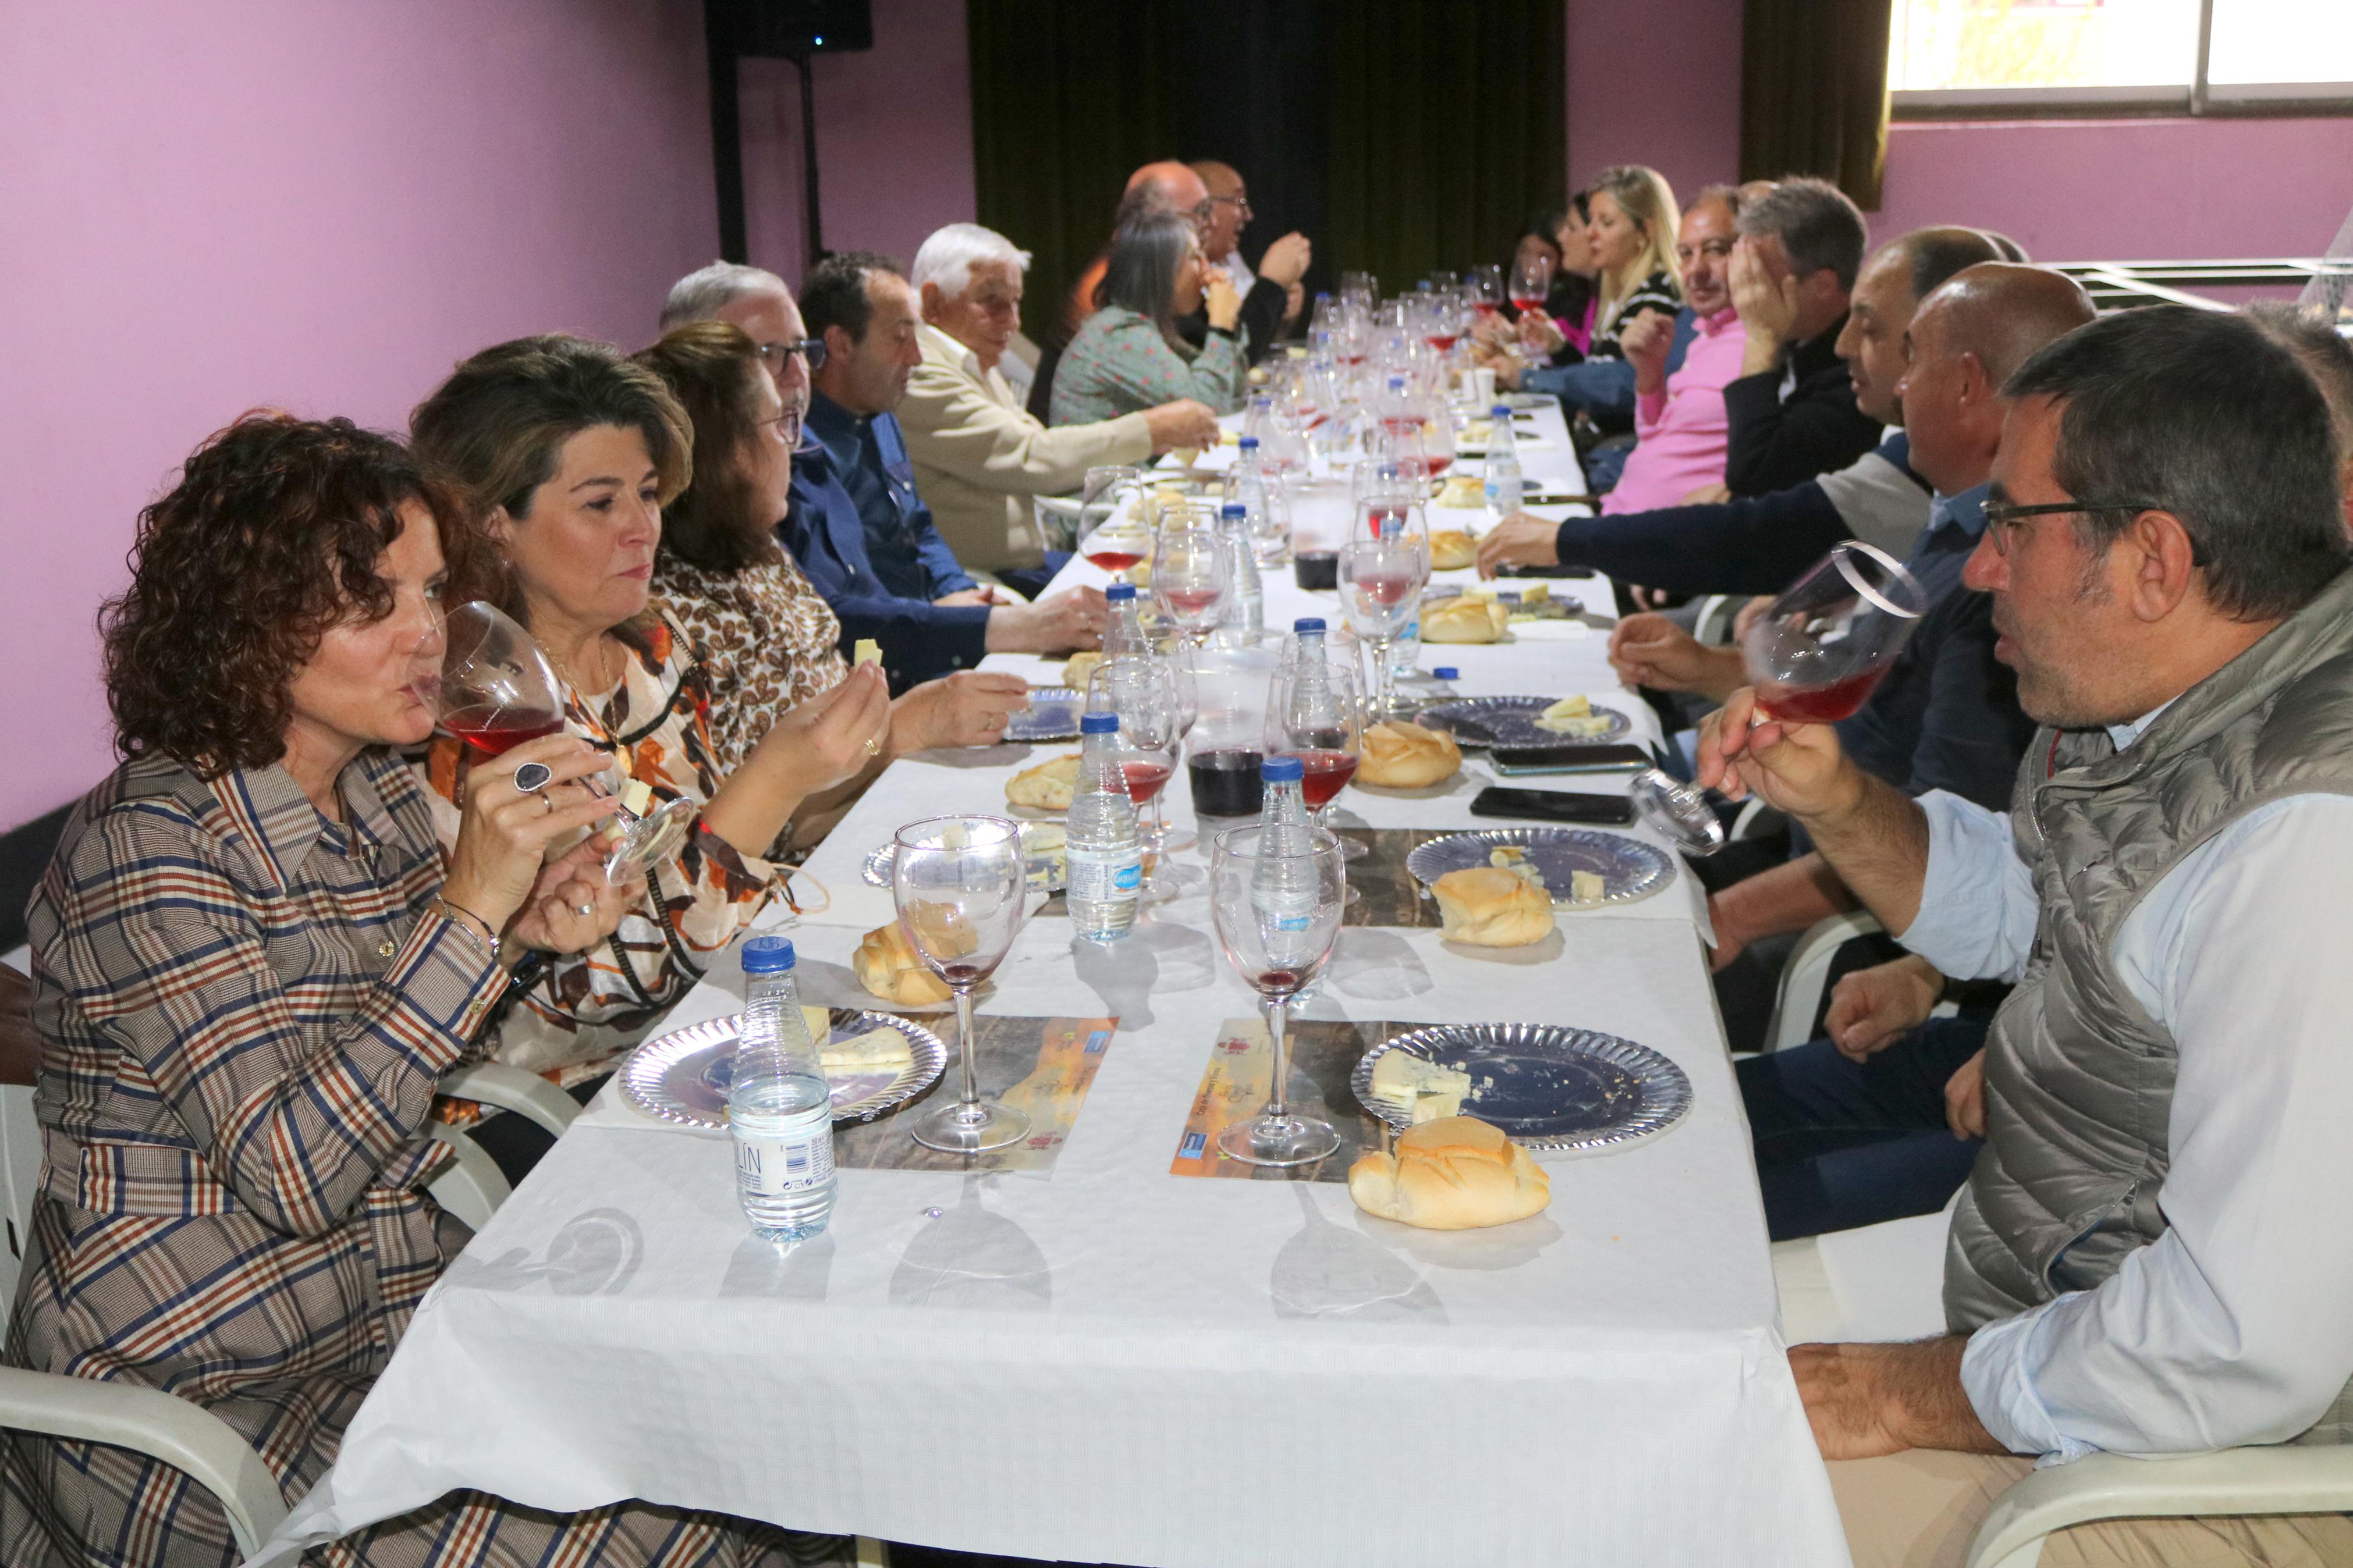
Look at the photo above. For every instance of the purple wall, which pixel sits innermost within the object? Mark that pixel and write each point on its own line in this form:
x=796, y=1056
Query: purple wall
x=320, y=206
x=1655, y=83
x=894, y=140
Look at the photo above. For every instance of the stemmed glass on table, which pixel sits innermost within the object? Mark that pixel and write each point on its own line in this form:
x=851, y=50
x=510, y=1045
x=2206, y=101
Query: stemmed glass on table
x=1381, y=582
x=1814, y=658
x=1142, y=692
x=1318, y=717
x=498, y=690
x=1275, y=898
x=1190, y=578
x=1113, y=533
x=960, y=883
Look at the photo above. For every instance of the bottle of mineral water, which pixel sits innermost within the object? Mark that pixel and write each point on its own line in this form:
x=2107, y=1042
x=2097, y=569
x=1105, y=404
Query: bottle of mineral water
x=778, y=1108
x=1245, y=596
x=1442, y=679
x=1101, y=847
x=1307, y=634
x=1284, y=887
x=1502, y=464
x=1123, y=633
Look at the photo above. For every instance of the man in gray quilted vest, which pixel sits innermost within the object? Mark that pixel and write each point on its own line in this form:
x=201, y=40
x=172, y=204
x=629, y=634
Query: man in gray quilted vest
x=2153, y=1254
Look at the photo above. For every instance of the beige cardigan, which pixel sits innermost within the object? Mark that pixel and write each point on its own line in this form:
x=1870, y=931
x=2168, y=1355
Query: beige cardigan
x=979, y=457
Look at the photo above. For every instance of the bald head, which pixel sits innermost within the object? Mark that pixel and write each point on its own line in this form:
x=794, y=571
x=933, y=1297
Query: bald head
x=1898, y=276
x=1966, y=338
x=1169, y=186
x=1228, y=206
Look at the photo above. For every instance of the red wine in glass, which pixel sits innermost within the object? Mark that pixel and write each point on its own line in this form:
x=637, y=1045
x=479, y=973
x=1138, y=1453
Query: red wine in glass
x=1323, y=774
x=1144, y=778
x=1387, y=588
x=1523, y=303
x=495, y=731
x=1114, y=559
x=1437, y=465
x=1380, y=513
x=1443, y=341
x=1823, y=704
x=1317, y=569
x=1226, y=782
x=1190, y=602
x=1488, y=309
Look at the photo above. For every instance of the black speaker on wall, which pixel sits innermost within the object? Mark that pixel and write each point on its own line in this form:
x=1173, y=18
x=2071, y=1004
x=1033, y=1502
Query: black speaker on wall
x=796, y=31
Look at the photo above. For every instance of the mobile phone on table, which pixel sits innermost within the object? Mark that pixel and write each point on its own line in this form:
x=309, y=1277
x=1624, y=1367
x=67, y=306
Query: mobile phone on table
x=1554, y=805
x=1566, y=758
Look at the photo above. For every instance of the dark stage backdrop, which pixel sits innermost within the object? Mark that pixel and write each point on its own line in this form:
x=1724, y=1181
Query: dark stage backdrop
x=1398, y=135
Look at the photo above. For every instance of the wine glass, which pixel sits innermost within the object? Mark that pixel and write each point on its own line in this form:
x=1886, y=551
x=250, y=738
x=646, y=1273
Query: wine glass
x=1113, y=531
x=1380, y=589
x=960, y=885
x=1531, y=281
x=1190, y=579
x=1143, y=693
x=498, y=690
x=1275, y=897
x=1819, y=650
x=1483, y=289
x=1317, y=715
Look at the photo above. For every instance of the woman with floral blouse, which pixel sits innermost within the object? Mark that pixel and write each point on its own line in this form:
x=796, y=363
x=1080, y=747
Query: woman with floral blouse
x=1128, y=355
x=768, y=640
x=251, y=963
x=570, y=451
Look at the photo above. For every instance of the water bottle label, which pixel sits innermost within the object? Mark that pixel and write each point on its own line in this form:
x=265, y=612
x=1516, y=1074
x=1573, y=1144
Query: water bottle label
x=1102, y=875
x=772, y=1167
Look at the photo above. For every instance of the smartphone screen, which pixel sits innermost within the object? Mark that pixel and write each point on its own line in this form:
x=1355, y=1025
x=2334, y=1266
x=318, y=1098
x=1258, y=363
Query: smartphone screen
x=1554, y=805
x=1567, y=757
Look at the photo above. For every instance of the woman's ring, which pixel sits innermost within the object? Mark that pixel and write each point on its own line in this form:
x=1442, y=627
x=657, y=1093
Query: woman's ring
x=532, y=777
x=873, y=747
x=548, y=801
x=585, y=909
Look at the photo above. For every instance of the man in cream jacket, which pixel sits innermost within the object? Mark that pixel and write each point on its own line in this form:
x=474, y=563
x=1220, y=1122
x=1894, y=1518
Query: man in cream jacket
x=979, y=457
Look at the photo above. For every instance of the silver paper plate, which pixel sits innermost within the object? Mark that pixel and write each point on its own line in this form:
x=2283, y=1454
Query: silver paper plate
x=1631, y=870
x=1048, y=869
x=1511, y=722
x=1547, y=1087
x=684, y=1076
x=1052, y=715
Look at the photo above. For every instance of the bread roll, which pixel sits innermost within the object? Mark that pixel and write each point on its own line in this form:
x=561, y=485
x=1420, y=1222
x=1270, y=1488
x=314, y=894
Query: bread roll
x=1465, y=619
x=1076, y=667
x=1048, y=787
x=1457, y=1172
x=887, y=965
x=1488, y=906
x=1398, y=756
x=1451, y=548
x=1461, y=490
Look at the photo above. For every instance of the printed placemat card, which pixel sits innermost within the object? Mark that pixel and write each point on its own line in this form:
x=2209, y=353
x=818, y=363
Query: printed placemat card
x=1235, y=1085
x=1039, y=1067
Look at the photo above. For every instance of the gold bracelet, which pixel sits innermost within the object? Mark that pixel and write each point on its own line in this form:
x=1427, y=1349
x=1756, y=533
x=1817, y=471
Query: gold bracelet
x=450, y=911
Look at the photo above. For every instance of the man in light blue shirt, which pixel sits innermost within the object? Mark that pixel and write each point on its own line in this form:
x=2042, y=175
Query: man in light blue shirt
x=2153, y=1254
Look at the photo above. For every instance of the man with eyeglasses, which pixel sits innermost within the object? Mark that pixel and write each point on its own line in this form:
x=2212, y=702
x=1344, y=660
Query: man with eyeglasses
x=2155, y=1249
x=1283, y=265
x=758, y=301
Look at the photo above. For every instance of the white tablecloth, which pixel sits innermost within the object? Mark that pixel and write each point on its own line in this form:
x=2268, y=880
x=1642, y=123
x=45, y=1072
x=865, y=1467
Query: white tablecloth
x=1105, y=1363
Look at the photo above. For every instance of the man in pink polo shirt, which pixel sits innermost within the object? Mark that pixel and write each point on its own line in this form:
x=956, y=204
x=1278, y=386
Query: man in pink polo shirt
x=1679, y=427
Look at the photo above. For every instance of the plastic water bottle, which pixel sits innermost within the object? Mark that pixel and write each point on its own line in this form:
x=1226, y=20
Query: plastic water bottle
x=1307, y=634
x=779, y=1110
x=1283, y=888
x=1503, y=486
x=1245, y=596
x=1442, y=679
x=1101, y=847
x=1123, y=633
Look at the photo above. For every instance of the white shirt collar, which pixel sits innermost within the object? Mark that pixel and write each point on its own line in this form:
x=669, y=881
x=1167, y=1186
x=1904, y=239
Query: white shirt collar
x=2123, y=735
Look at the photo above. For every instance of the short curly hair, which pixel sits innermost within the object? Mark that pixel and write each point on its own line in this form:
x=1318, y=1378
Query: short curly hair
x=271, y=537
x=717, y=522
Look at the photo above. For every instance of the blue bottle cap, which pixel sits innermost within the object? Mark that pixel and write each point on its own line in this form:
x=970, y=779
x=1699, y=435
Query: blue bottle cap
x=1249, y=442
x=1280, y=770
x=768, y=955
x=1306, y=623
x=1323, y=293
x=1397, y=382
x=1447, y=672
x=1500, y=411
x=1119, y=591
x=1233, y=509
x=1098, y=723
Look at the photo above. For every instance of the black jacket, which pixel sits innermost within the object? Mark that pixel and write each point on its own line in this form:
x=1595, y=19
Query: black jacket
x=1776, y=443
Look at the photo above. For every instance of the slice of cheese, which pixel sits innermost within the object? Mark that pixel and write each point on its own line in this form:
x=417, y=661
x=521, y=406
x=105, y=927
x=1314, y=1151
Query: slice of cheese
x=636, y=797
x=878, y=1050
x=1587, y=887
x=868, y=651
x=1424, y=1088
x=1575, y=716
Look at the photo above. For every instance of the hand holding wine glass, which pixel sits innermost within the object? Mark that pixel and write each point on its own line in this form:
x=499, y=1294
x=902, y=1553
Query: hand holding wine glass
x=1818, y=651
x=960, y=885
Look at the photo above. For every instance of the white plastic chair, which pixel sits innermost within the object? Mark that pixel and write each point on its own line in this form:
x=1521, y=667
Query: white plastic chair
x=1807, y=974
x=1884, y=1283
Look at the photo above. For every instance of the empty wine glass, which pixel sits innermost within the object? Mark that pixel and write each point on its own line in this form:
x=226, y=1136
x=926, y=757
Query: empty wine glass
x=499, y=691
x=1317, y=715
x=1819, y=650
x=960, y=885
x=1380, y=589
x=1190, y=578
x=1275, y=897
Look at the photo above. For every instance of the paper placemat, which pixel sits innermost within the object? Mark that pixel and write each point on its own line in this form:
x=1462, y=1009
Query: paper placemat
x=1040, y=1066
x=1234, y=1086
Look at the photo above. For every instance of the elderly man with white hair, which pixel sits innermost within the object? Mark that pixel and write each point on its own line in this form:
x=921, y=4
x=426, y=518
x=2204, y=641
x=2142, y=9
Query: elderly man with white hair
x=979, y=457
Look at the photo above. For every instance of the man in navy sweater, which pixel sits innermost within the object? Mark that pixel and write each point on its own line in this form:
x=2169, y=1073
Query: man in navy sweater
x=856, y=524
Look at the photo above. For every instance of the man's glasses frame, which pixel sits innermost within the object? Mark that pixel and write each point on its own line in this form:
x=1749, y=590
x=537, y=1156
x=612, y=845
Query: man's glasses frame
x=774, y=355
x=2001, y=519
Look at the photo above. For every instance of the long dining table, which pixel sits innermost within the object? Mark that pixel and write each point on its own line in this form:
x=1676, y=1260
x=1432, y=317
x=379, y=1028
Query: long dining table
x=1092, y=1359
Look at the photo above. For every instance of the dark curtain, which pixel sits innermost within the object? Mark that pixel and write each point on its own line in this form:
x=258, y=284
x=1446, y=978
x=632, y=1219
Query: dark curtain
x=1813, y=92
x=1397, y=135
x=1447, y=129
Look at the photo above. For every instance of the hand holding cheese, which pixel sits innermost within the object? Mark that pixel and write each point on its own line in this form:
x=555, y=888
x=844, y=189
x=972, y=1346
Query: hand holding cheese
x=1492, y=906
x=1456, y=1173
x=1398, y=756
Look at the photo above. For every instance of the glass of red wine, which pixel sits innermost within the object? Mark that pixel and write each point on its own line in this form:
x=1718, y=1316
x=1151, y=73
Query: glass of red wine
x=1317, y=716
x=960, y=887
x=1381, y=582
x=498, y=690
x=1189, y=578
x=1113, y=533
x=1275, y=897
x=1819, y=650
x=1531, y=281
x=1142, y=692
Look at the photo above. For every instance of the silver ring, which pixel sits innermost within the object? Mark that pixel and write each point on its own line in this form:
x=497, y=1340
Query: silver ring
x=585, y=909
x=532, y=777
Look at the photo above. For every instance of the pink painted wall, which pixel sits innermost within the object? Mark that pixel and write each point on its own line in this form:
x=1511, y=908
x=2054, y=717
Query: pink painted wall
x=320, y=206
x=2122, y=190
x=894, y=140
x=1655, y=83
